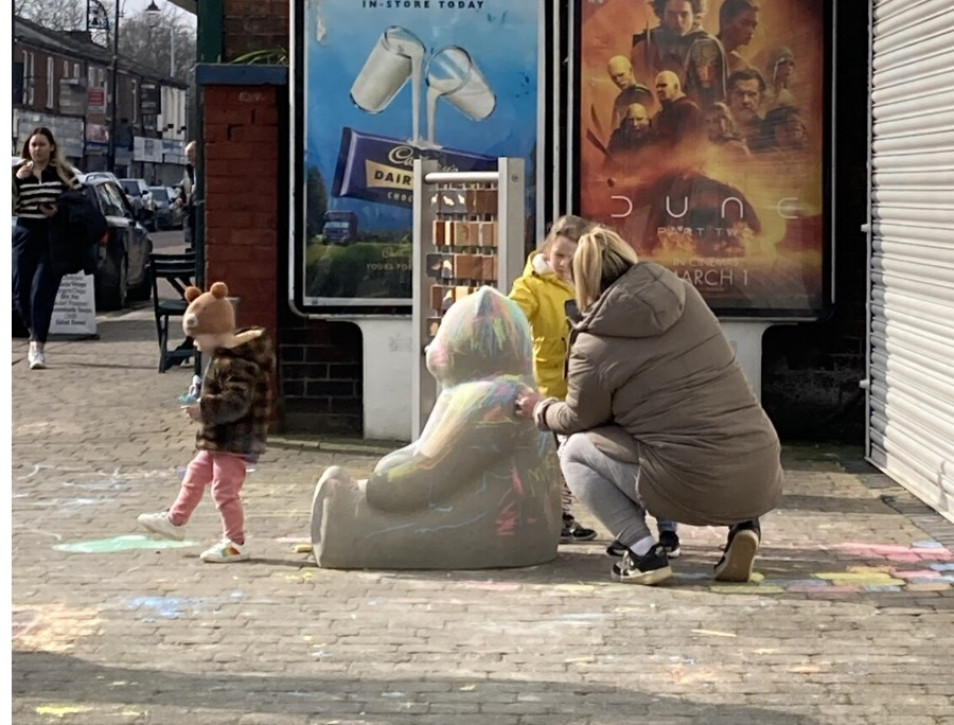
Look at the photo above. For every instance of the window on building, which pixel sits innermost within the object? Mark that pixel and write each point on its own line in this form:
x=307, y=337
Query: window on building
x=50, y=79
x=76, y=70
x=135, y=100
x=66, y=69
x=29, y=81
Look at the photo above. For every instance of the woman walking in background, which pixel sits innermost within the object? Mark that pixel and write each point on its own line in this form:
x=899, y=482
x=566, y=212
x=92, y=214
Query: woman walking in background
x=40, y=179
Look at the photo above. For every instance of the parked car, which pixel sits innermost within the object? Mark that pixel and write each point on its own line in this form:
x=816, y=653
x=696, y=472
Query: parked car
x=137, y=190
x=122, y=270
x=168, y=214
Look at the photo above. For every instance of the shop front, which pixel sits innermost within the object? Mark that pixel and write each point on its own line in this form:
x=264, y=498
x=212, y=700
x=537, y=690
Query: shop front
x=910, y=392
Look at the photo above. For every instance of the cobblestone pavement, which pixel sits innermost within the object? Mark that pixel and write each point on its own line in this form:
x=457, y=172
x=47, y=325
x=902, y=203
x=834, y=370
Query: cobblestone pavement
x=852, y=620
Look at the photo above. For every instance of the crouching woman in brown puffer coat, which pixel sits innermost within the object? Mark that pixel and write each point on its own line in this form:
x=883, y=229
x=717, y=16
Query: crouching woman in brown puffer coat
x=659, y=415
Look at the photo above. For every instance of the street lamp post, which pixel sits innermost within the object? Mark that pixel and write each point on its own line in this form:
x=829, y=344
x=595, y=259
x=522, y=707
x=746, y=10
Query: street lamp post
x=155, y=10
x=113, y=83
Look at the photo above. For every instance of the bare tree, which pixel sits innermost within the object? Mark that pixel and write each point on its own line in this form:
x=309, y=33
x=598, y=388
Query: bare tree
x=146, y=38
x=149, y=41
x=53, y=14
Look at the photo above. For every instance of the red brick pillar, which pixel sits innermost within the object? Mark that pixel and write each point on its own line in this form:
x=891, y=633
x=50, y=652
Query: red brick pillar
x=241, y=198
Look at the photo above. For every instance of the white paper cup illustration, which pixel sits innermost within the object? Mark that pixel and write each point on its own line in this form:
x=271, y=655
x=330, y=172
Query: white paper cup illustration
x=453, y=74
x=397, y=56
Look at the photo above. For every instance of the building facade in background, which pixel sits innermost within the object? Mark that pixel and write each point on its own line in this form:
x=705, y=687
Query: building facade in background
x=61, y=80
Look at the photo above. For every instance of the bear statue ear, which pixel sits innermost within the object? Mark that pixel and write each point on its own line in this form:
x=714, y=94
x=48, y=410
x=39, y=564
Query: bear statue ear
x=487, y=303
x=219, y=290
x=191, y=293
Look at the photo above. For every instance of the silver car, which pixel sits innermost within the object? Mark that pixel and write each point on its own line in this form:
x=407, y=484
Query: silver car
x=137, y=191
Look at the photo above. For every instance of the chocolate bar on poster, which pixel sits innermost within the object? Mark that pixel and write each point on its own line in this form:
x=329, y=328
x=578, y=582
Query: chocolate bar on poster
x=381, y=169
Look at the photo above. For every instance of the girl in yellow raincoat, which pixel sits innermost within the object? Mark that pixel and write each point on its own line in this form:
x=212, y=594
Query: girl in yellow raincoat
x=542, y=293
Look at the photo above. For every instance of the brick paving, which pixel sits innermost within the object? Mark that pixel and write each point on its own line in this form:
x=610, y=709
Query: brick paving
x=852, y=620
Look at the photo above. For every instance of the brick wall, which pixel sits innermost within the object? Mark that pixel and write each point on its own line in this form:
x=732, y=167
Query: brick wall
x=321, y=376
x=255, y=25
x=242, y=247
x=242, y=205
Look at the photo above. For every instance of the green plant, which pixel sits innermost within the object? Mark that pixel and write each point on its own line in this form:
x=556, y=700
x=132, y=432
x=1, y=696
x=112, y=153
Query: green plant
x=265, y=56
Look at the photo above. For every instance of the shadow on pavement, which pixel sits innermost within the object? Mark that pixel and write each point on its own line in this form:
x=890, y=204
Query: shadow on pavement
x=822, y=574
x=834, y=504
x=62, y=678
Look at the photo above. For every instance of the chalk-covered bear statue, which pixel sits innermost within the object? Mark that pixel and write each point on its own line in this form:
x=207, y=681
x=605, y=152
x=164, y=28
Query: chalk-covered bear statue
x=479, y=489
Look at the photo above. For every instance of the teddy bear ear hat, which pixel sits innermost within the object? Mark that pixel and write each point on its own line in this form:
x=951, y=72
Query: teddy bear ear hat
x=208, y=313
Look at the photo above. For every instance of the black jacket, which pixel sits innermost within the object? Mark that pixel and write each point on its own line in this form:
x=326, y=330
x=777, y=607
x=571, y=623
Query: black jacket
x=75, y=231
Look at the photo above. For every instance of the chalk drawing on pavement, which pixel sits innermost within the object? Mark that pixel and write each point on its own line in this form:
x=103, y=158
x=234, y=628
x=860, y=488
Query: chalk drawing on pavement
x=96, y=478
x=925, y=565
x=61, y=711
x=52, y=627
x=121, y=543
x=168, y=607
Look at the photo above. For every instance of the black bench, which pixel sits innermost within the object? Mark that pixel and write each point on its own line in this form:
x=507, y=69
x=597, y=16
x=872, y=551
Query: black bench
x=178, y=270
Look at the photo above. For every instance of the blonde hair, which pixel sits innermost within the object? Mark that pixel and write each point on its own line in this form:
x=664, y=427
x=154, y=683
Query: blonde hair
x=568, y=226
x=602, y=257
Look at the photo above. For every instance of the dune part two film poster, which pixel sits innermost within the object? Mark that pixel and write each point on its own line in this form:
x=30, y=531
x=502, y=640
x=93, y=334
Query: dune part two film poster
x=387, y=82
x=703, y=141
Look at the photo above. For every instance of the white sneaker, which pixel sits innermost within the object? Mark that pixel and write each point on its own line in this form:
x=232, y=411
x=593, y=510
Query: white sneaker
x=225, y=552
x=160, y=524
x=36, y=358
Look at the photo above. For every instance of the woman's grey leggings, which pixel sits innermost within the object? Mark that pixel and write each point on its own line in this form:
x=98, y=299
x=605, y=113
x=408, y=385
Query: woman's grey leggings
x=608, y=488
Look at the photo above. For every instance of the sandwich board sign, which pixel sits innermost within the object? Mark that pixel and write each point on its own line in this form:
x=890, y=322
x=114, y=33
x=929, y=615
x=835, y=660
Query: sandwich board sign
x=74, y=312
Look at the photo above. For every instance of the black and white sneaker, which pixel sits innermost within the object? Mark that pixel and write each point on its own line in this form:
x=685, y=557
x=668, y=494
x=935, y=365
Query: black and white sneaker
x=573, y=532
x=737, y=561
x=669, y=540
x=650, y=569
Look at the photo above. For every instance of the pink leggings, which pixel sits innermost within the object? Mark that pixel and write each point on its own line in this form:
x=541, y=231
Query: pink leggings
x=226, y=473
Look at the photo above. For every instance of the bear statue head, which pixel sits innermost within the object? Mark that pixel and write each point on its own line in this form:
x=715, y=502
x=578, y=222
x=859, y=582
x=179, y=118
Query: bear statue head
x=483, y=335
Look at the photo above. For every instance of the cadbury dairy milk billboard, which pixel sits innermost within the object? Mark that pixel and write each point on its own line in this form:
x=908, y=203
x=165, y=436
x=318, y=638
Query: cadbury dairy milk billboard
x=380, y=84
x=703, y=138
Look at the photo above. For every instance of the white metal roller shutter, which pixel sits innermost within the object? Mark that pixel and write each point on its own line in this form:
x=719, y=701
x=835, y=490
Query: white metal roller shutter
x=911, y=288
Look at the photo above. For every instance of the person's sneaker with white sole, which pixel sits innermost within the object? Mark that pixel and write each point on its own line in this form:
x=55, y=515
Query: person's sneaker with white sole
x=160, y=524
x=36, y=357
x=648, y=570
x=739, y=557
x=225, y=552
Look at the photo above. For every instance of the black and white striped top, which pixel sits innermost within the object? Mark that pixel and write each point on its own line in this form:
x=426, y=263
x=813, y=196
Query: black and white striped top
x=32, y=192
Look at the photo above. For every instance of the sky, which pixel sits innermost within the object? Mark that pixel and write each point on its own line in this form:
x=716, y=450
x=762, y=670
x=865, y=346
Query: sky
x=134, y=7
